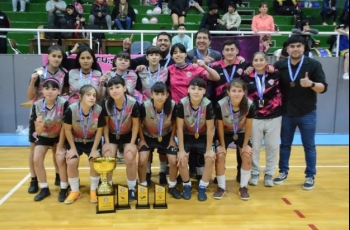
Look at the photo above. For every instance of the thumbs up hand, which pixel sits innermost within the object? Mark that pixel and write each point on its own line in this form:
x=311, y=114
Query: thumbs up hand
x=306, y=82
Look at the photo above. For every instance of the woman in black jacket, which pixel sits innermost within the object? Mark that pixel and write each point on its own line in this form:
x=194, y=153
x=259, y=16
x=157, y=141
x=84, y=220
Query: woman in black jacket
x=123, y=15
x=178, y=11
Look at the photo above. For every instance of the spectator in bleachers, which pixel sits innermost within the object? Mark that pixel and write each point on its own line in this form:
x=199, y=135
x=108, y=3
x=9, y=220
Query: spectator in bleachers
x=265, y=44
x=183, y=38
x=4, y=23
x=78, y=5
x=73, y=16
x=197, y=4
x=210, y=20
x=22, y=4
x=344, y=17
x=263, y=21
x=278, y=4
x=123, y=15
x=154, y=41
x=306, y=31
x=231, y=20
x=329, y=10
x=178, y=11
x=281, y=53
x=56, y=9
x=99, y=14
x=344, y=47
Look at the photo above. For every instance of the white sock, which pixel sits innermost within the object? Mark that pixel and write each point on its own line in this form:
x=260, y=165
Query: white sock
x=245, y=176
x=43, y=185
x=110, y=182
x=221, y=181
x=131, y=184
x=200, y=170
x=94, y=182
x=144, y=183
x=162, y=166
x=74, y=184
x=204, y=184
x=187, y=183
x=63, y=185
x=149, y=167
x=172, y=184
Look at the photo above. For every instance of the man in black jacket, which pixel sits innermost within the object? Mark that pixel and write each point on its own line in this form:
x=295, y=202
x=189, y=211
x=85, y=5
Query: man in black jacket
x=4, y=23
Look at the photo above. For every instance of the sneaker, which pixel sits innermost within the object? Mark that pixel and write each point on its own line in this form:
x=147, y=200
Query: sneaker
x=334, y=23
x=175, y=193
x=268, y=181
x=162, y=178
x=57, y=180
x=243, y=192
x=62, y=195
x=93, y=196
x=280, y=178
x=346, y=76
x=34, y=186
x=202, y=196
x=186, y=194
x=44, y=192
x=132, y=195
x=219, y=193
x=324, y=24
x=309, y=183
x=73, y=196
x=254, y=180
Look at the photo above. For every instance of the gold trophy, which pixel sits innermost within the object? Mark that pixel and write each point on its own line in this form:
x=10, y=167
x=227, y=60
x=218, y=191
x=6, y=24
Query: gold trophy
x=159, y=197
x=105, y=192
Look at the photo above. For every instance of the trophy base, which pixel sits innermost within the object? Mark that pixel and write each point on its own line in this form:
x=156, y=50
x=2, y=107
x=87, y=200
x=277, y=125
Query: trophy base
x=160, y=206
x=105, y=203
x=122, y=207
x=142, y=206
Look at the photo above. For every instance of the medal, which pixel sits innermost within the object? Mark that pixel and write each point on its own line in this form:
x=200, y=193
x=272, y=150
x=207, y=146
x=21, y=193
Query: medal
x=196, y=135
x=260, y=87
x=160, y=138
x=159, y=123
x=84, y=127
x=118, y=120
x=294, y=77
x=235, y=137
x=39, y=72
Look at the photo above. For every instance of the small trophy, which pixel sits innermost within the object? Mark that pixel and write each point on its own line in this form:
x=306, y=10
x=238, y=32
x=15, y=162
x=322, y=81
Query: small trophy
x=105, y=192
x=159, y=197
x=122, y=198
x=142, y=197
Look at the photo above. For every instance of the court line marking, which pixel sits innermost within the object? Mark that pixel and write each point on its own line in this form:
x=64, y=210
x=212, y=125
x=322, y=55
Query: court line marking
x=14, y=189
x=227, y=167
x=313, y=227
x=299, y=214
x=285, y=200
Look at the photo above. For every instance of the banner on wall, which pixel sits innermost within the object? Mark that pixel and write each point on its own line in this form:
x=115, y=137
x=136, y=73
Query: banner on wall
x=248, y=45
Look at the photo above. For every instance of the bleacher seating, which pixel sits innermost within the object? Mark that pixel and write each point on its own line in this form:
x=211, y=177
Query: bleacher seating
x=35, y=15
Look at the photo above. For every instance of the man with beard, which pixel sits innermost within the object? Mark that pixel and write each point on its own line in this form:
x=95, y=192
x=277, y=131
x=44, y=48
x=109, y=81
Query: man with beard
x=301, y=79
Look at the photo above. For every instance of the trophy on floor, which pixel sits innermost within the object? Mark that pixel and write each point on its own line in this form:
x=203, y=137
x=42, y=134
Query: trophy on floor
x=122, y=198
x=142, y=197
x=105, y=192
x=159, y=197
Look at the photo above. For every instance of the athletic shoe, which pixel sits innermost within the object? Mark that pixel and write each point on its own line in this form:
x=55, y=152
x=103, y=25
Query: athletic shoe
x=44, y=192
x=268, y=181
x=243, y=192
x=309, y=183
x=280, y=178
x=254, y=180
x=219, y=193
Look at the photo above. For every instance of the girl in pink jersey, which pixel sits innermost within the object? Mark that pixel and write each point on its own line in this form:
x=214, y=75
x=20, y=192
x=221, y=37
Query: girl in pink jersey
x=157, y=130
x=47, y=114
x=121, y=113
x=234, y=114
x=85, y=73
x=181, y=73
x=195, y=131
x=53, y=69
x=83, y=127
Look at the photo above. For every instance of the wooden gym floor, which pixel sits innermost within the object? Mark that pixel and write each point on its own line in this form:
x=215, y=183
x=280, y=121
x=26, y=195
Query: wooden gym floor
x=285, y=206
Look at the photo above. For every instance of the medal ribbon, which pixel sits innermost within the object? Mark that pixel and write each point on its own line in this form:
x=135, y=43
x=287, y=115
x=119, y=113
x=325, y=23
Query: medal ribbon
x=150, y=75
x=82, y=122
x=260, y=85
x=229, y=78
x=118, y=123
x=44, y=106
x=292, y=78
x=114, y=74
x=233, y=120
x=82, y=80
x=161, y=121
x=198, y=119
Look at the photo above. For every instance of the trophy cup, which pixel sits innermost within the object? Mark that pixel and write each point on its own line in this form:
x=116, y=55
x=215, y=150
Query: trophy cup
x=105, y=192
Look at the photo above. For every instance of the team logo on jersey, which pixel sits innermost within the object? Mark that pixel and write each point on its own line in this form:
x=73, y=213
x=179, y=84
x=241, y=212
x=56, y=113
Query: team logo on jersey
x=189, y=74
x=240, y=71
x=271, y=81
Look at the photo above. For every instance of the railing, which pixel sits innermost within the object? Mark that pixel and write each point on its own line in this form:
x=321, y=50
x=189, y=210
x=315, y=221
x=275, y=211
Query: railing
x=142, y=32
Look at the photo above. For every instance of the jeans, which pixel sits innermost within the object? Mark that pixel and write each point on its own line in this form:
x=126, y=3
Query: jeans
x=307, y=127
x=22, y=4
x=118, y=23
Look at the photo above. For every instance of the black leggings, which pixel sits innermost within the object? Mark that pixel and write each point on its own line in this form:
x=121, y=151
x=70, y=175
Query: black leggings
x=330, y=14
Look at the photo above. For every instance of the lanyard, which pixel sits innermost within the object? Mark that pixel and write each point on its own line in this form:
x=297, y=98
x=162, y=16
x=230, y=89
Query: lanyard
x=82, y=80
x=82, y=122
x=199, y=55
x=167, y=62
x=114, y=74
x=235, y=122
x=260, y=85
x=292, y=78
x=229, y=78
x=150, y=75
x=44, y=106
x=198, y=119
x=161, y=121
x=118, y=122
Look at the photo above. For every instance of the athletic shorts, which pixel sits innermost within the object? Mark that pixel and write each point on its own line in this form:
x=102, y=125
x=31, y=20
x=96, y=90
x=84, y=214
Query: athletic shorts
x=194, y=145
x=229, y=139
x=46, y=141
x=343, y=52
x=153, y=143
x=123, y=139
x=84, y=148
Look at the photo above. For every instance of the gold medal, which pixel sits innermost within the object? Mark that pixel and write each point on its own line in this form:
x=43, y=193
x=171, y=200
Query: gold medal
x=117, y=136
x=196, y=135
x=84, y=141
x=160, y=138
x=235, y=136
x=292, y=84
